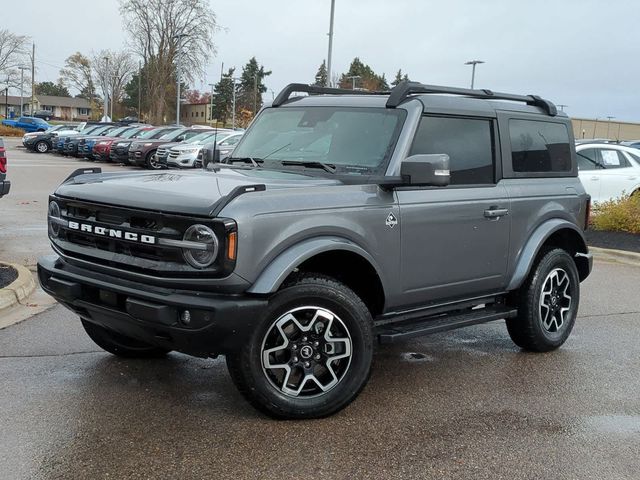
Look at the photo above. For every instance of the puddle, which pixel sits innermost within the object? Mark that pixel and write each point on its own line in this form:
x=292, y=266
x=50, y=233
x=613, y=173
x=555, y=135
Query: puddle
x=416, y=357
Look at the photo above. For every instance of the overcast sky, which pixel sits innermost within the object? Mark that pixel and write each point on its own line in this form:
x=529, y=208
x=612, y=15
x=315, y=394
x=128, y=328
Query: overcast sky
x=582, y=53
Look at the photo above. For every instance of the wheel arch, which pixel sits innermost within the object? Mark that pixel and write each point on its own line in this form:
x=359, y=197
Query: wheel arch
x=555, y=232
x=334, y=256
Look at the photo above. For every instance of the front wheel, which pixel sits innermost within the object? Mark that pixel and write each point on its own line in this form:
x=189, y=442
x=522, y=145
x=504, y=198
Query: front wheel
x=311, y=354
x=152, y=162
x=121, y=345
x=42, y=147
x=547, y=303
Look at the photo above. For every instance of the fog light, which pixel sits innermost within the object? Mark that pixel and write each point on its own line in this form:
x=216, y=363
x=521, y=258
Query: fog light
x=185, y=317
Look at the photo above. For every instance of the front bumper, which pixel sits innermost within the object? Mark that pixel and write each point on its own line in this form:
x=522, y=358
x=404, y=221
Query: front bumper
x=5, y=186
x=219, y=323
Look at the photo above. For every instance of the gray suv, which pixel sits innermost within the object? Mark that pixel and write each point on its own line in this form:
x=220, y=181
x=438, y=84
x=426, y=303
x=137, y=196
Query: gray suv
x=341, y=219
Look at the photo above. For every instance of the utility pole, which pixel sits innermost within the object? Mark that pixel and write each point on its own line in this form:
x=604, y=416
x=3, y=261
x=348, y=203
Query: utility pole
x=211, y=108
x=233, y=107
x=106, y=90
x=333, y=8
x=255, y=94
x=473, y=64
x=561, y=106
x=609, y=117
x=33, y=78
x=22, y=69
x=353, y=81
x=178, y=39
x=139, y=90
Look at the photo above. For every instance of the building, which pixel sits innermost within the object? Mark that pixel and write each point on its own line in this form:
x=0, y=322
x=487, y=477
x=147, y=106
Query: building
x=603, y=128
x=63, y=108
x=11, y=104
x=195, y=113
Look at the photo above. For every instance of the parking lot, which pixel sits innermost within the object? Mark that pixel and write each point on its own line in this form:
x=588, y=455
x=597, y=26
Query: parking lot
x=465, y=404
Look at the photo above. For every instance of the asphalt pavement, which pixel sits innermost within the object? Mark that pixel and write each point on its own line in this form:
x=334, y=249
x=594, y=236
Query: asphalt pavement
x=459, y=405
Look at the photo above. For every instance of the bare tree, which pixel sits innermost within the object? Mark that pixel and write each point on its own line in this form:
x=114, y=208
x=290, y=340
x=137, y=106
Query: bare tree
x=77, y=73
x=159, y=30
x=112, y=71
x=13, y=50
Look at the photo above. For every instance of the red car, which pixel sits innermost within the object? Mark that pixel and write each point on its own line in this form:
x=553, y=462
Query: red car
x=102, y=148
x=5, y=185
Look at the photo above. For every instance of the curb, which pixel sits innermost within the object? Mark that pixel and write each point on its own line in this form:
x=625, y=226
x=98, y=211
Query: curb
x=19, y=289
x=618, y=256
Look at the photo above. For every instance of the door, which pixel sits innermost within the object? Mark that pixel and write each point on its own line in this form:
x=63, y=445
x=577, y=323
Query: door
x=589, y=169
x=455, y=239
x=617, y=176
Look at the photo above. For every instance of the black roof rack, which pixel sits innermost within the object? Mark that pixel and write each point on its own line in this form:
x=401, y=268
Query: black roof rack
x=286, y=92
x=404, y=89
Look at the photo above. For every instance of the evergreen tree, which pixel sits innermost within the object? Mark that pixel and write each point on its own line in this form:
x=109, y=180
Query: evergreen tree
x=321, y=75
x=251, y=87
x=367, y=78
x=223, y=98
x=53, y=89
x=400, y=78
x=130, y=100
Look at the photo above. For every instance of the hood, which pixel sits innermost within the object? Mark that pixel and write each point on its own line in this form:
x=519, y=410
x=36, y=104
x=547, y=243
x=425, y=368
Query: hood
x=190, y=193
x=155, y=142
x=179, y=147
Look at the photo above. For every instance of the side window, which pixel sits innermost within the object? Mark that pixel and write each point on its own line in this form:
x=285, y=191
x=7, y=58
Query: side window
x=613, y=159
x=468, y=142
x=588, y=159
x=634, y=156
x=538, y=146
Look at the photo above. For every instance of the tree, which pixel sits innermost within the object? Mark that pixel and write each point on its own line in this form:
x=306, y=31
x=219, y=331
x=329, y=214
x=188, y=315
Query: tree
x=366, y=77
x=321, y=75
x=195, y=97
x=399, y=78
x=111, y=72
x=163, y=30
x=53, y=89
x=223, y=98
x=130, y=100
x=251, y=88
x=13, y=50
x=77, y=74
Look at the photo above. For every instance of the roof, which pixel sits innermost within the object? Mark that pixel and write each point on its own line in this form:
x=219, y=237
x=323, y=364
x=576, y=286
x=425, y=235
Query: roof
x=63, y=101
x=14, y=100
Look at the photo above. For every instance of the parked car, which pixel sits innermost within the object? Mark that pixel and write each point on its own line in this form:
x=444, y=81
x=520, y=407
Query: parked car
x=60, y=143
x=120, y=150
x=102, y=148
x=142, y=153
x=128, y=120
x=339, y=221
x=185, y=154
x=85, y=146
x=43, y=142
x=218, y=151
x=28, y=124
x=43, y=114
x=72, y=146
x=631, y=143
x=608, y=171
x=5, y=185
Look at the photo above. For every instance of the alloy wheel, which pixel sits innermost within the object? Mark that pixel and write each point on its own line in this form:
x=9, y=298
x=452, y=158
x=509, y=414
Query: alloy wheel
x=555, y=300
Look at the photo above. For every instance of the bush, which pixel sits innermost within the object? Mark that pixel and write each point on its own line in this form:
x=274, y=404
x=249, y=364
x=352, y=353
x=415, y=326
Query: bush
x=10, y=131
x=620, y=215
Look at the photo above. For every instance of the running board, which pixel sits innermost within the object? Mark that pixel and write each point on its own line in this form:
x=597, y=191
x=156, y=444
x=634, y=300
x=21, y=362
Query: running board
x=441, y=323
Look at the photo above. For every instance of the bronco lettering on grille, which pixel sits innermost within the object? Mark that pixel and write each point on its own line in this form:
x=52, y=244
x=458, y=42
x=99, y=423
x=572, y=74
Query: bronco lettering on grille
x=111, y=232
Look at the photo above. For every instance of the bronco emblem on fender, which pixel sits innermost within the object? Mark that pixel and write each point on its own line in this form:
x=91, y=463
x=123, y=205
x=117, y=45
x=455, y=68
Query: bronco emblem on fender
x=391, y=221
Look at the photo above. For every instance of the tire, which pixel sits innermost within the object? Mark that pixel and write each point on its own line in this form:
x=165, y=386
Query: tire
x=121, y=345
x=547, y=303
x=323, y=309
x=41, y=147
x=150, y=163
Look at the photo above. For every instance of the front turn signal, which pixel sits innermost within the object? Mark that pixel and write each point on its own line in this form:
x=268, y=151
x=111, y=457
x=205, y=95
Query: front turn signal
x=232, y=245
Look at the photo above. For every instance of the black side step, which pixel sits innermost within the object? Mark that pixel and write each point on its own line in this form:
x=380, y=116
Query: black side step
x=442, y=323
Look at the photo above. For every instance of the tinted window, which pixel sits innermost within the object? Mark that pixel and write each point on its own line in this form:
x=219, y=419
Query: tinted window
x=588, y=159
x=468, y=142
x=539, y=146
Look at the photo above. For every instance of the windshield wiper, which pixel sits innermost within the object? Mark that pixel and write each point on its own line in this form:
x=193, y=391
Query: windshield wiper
x=251, y=160
x=327, y=167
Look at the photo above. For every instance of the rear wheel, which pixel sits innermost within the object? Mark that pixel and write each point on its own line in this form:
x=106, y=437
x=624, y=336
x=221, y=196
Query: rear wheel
x=121, y=345
x=41, y=147
x=311, y=355
x=547, y=303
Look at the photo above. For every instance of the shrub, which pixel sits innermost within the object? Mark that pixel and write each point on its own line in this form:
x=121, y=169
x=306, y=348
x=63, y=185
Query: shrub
x=10, y=131
x=620, y=215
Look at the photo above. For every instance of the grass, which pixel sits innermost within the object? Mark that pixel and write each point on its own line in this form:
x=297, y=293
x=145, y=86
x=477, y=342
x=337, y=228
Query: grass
x=10, y=131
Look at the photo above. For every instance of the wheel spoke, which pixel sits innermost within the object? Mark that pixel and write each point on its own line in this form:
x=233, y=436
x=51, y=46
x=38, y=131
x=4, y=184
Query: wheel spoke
x=555, y=300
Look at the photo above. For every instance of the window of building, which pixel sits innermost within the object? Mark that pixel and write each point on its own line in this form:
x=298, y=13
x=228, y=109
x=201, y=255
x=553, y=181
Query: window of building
x=539, y=146
x=83, y=111
x=468, y=142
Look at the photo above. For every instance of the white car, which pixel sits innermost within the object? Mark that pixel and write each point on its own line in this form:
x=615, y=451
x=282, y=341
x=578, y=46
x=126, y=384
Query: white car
x=185, y=155
x=608, y=171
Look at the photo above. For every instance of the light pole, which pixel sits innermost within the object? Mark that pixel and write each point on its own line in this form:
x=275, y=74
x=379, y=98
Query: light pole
x=211, y=109
x=333, y=8
x=561, y=106
x=353, y=81
x=233, y=106
x=609, y=117
x=178, y=38
x=473, y=64
x=106, y=89
x=22, y=69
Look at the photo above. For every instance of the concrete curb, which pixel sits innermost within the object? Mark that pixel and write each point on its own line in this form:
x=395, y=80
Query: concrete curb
x=618, y=256
x=19, y=289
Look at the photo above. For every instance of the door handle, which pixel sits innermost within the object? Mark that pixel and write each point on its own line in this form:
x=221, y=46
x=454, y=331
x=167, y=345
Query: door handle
x=496, y=212
x=633, y=177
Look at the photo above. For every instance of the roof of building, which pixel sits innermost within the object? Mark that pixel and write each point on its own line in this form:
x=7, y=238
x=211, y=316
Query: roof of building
x=63, y=101
x=14, y=100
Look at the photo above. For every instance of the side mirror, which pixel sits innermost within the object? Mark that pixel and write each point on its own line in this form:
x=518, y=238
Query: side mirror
x=180, y=138
x=427, y=170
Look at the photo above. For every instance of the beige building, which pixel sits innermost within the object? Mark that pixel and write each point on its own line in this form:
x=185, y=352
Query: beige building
x=603, y=128
x=195, y=114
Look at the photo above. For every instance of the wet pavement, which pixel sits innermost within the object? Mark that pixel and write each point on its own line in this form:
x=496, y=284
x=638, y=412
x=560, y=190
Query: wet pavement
x=464, y=404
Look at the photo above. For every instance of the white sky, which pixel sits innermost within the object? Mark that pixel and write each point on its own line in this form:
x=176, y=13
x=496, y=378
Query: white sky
x=583, y=53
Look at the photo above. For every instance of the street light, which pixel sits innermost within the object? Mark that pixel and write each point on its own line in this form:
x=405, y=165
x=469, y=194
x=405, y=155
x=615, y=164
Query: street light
x=22, y=69
x=211, y=111
x=233, y=116
x=561, y=106
x=106, y=89
x=353, y=81
x=609, y=117
x=473, y=64
x=333, y=8
x=178, y=39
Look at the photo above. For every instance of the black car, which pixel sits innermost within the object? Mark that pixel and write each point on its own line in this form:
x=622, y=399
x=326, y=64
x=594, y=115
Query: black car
x=43, y=114
x=71, y=147
x=5, y=185
x=128, y=120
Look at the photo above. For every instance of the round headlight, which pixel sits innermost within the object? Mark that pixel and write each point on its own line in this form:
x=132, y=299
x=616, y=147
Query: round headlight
x=54, y=212
x=205, y=247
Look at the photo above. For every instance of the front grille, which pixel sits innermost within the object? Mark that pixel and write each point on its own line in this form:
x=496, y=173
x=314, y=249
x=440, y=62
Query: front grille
x=161, y=152
x=155, y=259
x=174, y=155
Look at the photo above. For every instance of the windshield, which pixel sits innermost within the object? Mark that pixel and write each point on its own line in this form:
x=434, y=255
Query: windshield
x=202, y=136
x=351, y=139
x=131, y=133
x=118, y=131
x=172, y=135
x=89, y=130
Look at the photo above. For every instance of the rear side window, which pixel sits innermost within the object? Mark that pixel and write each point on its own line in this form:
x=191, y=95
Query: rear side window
x=467, y=141
x=538, y=147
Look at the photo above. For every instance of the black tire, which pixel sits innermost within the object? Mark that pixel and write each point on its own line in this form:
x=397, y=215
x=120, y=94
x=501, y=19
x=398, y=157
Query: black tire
x=308, y=293
x=41, y=147
x=121, y=345
x=150, y=163
x=542, y=328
